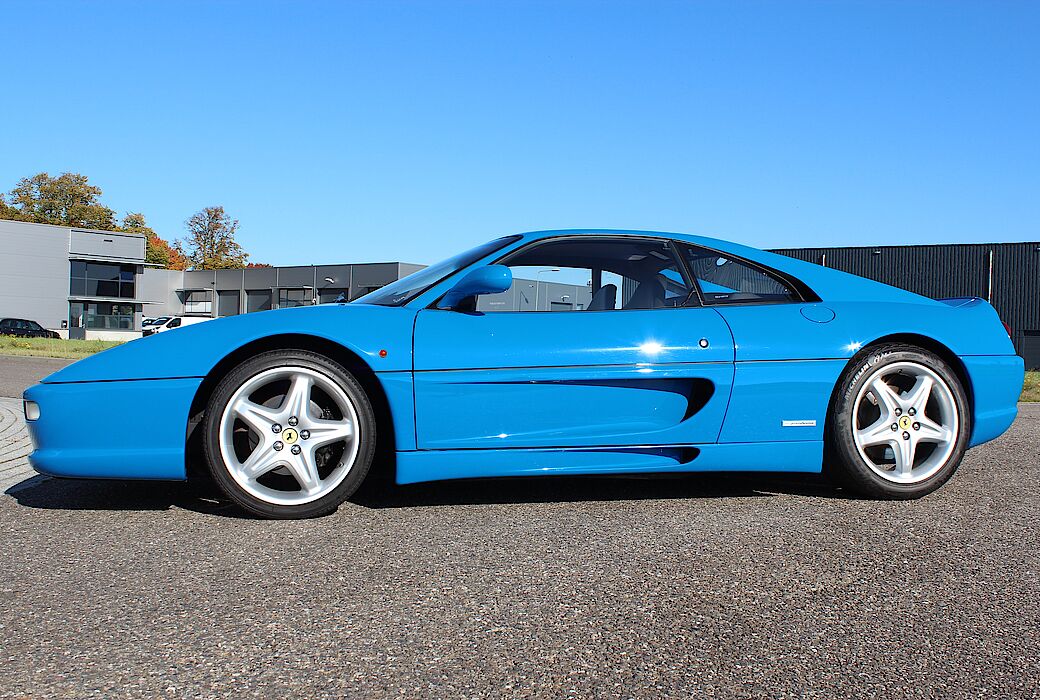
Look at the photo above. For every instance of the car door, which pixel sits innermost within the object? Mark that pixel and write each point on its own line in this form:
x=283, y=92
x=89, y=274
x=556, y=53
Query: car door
x=595, y=344
x=788, y=348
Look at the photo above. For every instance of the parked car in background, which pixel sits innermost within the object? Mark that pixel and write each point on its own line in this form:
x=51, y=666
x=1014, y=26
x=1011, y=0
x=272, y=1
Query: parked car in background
x=165, y=323
x=24, y=328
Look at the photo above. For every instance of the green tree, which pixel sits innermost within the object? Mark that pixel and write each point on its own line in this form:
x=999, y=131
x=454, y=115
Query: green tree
x=159, y=252
x=66, y=200
x=9, y=212
x=210, y=243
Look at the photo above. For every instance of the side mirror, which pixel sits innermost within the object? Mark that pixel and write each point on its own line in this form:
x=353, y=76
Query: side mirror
x=490, y=279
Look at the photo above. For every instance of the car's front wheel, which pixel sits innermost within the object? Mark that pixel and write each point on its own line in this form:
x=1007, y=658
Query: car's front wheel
x=901, y=423
x=289, y=434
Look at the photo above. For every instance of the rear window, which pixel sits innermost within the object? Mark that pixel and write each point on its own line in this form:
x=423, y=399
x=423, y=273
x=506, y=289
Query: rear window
x=723, y=280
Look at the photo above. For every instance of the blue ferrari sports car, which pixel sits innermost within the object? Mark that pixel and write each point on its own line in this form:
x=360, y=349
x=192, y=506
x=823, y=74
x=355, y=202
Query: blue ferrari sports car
x=554, y=352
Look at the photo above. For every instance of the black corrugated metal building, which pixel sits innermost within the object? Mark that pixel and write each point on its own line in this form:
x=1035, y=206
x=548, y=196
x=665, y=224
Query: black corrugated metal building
x=1005, y=274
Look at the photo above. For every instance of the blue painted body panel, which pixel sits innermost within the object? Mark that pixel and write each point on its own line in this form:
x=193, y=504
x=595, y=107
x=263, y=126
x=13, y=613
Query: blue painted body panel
x=530, y=393
x=192, y=351
x=111, y=430
x=996, y=385
x=767, y=393
x=520, y=379
x=432, y=465
x=570, y=406
x=451, y=340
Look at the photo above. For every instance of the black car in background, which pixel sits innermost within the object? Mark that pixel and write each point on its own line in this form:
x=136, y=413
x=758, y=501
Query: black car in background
x=24, y=328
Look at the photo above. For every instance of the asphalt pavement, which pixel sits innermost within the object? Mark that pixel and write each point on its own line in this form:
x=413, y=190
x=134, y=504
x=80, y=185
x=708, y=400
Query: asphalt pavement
x=726, y=586
x=19, y=373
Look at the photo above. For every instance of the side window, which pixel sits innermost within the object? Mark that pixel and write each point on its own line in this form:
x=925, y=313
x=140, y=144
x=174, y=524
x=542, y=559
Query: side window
x=175, y=323
x=592, y=274
x=726, y=281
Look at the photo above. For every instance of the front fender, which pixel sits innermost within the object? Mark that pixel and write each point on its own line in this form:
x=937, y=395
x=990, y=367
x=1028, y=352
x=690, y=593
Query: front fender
x=194, y=350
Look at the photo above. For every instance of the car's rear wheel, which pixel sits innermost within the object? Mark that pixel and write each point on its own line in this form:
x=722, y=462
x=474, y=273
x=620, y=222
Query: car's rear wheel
x=289, y=434
x=901, y=423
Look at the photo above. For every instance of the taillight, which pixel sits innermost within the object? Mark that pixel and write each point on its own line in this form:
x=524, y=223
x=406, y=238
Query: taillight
x=1007, y=328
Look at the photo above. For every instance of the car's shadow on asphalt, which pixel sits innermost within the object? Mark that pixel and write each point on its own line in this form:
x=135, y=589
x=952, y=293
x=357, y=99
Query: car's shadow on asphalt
x=595, y=488
x=103, y=494
x=203, y=497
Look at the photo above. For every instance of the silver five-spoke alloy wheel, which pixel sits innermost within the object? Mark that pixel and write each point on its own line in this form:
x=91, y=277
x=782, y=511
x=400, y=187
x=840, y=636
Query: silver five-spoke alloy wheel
x=905, y=422
x=289, y=435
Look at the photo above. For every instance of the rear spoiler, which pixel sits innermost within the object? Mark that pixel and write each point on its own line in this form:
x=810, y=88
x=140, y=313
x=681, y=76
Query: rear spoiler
x=971, y=302
x=962, y=302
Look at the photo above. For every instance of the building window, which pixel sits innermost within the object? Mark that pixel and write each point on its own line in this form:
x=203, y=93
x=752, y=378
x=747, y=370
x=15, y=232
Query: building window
x=198, y=302
x=258, y=300
x=227, y=303
x=101, y=315
x=93, y=279
x=331, y=295
x=294, y=297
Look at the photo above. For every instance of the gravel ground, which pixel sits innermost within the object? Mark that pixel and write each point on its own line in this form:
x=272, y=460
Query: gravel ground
x=728, y=586
x=14, y=444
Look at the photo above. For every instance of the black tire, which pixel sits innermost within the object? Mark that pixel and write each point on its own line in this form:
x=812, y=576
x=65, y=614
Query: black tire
x=847, y=464
x=366, y=433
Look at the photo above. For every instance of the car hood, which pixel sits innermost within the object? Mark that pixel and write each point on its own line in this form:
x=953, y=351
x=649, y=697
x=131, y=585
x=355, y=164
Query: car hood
x=192, y=351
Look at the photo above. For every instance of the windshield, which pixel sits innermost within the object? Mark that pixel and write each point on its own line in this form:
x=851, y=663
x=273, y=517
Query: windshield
x=407, y=288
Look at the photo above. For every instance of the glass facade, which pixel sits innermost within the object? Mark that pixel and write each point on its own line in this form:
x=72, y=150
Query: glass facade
x=98, y=279
x=198, y=302
x=331, y=294
x=101, y=315
x=294, y=297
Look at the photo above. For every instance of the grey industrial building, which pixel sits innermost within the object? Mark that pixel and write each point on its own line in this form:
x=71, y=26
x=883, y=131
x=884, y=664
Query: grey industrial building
x=1005, y=274
x=231, y=292
x=96, y=284
x=59, y=276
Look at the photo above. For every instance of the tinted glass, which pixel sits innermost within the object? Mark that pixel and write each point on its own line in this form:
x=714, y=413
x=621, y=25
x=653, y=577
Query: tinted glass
x=102, y=279
x=592, y=274
x=407, y=288
x=102, y=271
x=726, y=281
x=331, y=295
x=288, y=298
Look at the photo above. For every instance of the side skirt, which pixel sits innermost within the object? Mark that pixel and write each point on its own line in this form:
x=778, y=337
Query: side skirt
x=435, y=465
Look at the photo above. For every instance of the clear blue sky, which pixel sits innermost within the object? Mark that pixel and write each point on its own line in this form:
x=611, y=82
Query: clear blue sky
x=343, y=132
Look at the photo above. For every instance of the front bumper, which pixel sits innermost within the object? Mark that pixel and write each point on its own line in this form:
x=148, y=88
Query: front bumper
x=111, y=430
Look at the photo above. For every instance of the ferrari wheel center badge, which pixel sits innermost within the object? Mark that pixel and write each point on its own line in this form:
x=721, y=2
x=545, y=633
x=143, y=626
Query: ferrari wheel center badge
x=289, y=436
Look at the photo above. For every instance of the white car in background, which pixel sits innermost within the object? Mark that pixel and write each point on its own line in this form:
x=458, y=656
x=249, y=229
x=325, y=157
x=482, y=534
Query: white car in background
x=165, y=323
